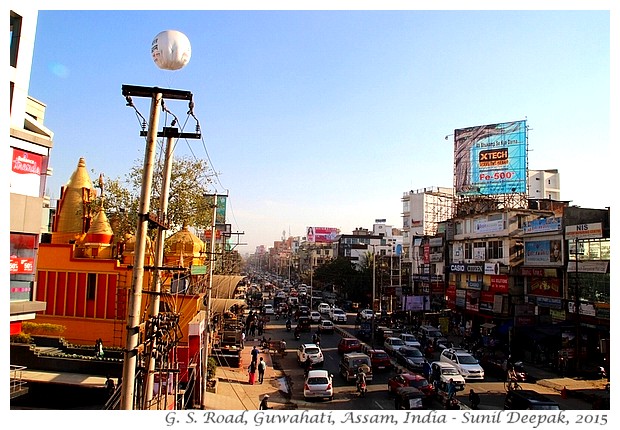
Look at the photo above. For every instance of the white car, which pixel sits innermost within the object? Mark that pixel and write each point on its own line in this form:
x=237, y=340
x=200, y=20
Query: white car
x=337, y=315
x=410, y=340
x=269, y=310
x=366, y=314
x=442, y=372
x=323, y=308
x=393, y=344
x=311, y=350
x=315, y=317
x=465, y=363
x=318, y=385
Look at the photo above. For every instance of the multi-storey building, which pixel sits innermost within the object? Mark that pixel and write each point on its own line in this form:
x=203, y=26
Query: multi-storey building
x=30, y=145
x=544, y=184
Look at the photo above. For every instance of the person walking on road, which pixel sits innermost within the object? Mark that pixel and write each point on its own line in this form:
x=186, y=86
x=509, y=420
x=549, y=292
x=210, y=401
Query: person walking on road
x=451, y=390
x=263, y=403
x=474, y=399
x=254, y=353
x=262, y=366
x=252, y=373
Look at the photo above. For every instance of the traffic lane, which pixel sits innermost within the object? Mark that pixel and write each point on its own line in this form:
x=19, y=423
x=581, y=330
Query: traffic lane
x=345, y=393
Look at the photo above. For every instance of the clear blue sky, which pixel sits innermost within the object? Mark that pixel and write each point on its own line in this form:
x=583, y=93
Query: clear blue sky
x=326, y=118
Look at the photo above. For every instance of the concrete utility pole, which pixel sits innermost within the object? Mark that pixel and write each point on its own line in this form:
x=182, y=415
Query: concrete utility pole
x=134, y=305
x=135, y=298
x=159, y=257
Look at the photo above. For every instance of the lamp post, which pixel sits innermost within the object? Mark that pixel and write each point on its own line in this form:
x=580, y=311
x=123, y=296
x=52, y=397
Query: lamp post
x=374, y=286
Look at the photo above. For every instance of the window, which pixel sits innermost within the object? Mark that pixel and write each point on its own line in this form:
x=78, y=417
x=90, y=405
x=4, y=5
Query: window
x=91, y=285
x=495, y=249
x=469, y=250
x=16, y=30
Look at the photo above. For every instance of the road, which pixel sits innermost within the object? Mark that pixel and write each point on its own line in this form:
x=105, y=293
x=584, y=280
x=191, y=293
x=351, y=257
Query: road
x=491, y=390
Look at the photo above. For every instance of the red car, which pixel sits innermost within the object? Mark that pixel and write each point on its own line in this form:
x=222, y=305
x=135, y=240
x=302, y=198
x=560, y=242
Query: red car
x=410, y=380
x=349, y=344
x=379, y=359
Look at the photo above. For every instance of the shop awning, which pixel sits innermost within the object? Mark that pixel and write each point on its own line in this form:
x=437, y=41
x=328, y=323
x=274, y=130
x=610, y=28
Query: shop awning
x=219, y=306
x=224, y=286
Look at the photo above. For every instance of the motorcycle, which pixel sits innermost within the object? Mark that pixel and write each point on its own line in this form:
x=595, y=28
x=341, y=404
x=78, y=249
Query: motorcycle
x=361, y=388
x=297, y=335
x=288, y=325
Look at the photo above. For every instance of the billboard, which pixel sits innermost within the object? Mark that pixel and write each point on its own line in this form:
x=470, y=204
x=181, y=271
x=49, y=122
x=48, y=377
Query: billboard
x=321, y=234
x=491, y=159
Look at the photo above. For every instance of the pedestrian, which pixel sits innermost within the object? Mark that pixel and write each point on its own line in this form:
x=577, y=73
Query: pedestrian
x=254, y=354
x=252, y=373
x=426, y=369
x=474, y=399
x=263, y=403
x=99, y=348
x=242, y=339
x=262, y=366
x=451, y=390
x=109, y=386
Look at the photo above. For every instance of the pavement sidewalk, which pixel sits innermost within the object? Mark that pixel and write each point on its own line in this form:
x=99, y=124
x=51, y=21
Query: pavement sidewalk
x=234, y=392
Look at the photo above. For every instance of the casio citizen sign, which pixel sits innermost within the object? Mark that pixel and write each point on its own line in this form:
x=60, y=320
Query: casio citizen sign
x=457, y=267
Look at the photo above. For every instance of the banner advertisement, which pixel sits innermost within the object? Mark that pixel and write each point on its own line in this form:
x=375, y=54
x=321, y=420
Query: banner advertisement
x=19, y=266
x=549, y=287
x=584, y=231
x=499, y=284
x=491, y=159
x=543, y=252
x=220, y=210
x=26, y=169
x=321, y=234
x=544, y=225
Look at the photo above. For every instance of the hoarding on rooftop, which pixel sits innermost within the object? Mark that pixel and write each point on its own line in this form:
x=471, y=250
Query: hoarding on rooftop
x=491, y=159
x=321, y=234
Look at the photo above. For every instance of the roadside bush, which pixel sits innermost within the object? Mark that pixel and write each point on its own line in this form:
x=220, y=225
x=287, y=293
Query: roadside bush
x=42, y=329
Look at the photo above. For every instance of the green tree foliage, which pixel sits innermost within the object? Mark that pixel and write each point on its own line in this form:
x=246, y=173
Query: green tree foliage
x=189, y=201
x=343, y=274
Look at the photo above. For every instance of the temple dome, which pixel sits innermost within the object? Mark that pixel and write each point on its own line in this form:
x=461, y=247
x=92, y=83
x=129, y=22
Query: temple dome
x=72, y=217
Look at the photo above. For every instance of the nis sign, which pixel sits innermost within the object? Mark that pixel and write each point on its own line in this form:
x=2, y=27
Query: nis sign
x=584, y=231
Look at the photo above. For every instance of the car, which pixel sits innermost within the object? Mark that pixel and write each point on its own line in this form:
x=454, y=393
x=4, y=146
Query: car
x=410, y=380
x=409, y=398
x=379, y=359
x=410, y=340
x=411, y=358
x=365, y=314
x=318, y=385
x=442, y=372
x=311, y=350
x=325, y=326
x=349, y=344
x=337, y=315
x=268, y=310
x=315, y=317
x=528, y=399
x=303, y=311
x=364, y=330
x=392, y=344
x=350, y=363
x=323, y=308
x=467, y=365
x=304, y=324
x=433, y=334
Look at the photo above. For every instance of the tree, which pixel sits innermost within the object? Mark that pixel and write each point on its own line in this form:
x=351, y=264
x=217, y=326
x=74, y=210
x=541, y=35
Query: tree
x=190, y=200
x=343, y=274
